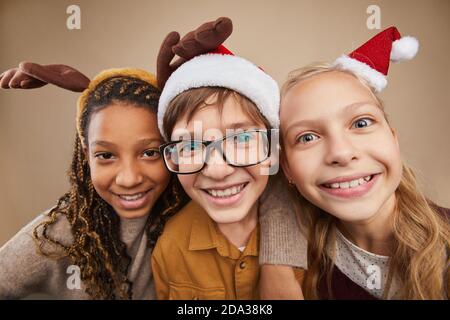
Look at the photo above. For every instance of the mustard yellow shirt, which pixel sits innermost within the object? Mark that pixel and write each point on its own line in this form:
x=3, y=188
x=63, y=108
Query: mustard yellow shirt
x=193, y=260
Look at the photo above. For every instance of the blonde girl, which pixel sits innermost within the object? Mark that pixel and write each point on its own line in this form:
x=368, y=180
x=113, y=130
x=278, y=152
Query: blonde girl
x=370, y=231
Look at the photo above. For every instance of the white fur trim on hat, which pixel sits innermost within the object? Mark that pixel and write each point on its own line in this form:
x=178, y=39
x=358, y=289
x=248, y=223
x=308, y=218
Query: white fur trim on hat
x=375, y=79
x=228, y=71
x=404, y=48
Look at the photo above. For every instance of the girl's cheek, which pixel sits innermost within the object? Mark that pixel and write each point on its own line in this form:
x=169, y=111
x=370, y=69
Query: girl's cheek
x=101, y=177
x=385, y=147
x=300, y=164
x=162, y=176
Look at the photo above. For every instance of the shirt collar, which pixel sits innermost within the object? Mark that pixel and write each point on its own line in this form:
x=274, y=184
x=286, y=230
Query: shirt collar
x=206, y=235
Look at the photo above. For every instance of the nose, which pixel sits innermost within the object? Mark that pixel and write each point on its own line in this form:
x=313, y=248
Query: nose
x=129, y=175
x=341, y=151
x=216, y=168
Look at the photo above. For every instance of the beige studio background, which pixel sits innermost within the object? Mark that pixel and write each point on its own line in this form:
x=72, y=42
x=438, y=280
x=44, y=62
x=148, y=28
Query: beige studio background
x=37, y=126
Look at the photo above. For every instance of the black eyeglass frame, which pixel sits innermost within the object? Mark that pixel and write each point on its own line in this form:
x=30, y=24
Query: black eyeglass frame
x=217, y=144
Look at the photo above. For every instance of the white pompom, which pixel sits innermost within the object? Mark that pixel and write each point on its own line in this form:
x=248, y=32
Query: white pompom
x=404, y=48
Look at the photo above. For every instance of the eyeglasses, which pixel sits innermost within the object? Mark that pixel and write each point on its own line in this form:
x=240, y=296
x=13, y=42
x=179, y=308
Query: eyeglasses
x=242, y=149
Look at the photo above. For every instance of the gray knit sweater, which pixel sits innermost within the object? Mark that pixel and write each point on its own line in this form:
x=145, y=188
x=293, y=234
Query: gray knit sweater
x=24, y=271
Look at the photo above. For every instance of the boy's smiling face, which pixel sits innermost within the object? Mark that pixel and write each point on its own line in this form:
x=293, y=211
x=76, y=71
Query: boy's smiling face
x=341, y=153
x=227, y=193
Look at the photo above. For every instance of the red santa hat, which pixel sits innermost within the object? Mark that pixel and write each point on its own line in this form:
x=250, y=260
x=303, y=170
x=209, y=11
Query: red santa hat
x=371, y=60
x=221, y=68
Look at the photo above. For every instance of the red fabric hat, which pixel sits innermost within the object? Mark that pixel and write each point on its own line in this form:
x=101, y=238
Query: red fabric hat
x=371, y=60
x=222, y=50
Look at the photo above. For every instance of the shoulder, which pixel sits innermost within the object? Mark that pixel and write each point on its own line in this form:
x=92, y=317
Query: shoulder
x=443, y=212
x=60, y=230
x=24, y=269
x=182, y=220
x=177, y=230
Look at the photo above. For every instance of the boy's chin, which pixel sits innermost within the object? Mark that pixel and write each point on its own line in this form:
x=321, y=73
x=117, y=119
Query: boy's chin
x=227, y=215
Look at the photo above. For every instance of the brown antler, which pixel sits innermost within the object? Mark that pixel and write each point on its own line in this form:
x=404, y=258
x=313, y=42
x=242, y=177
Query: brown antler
x=31, y=75
x=205, y=38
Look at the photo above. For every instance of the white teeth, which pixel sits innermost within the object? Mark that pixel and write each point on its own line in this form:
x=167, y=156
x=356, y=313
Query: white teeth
x=349, y=184
x=226, y=192
x=354, y=183
x=133, y=197
x=344, y=185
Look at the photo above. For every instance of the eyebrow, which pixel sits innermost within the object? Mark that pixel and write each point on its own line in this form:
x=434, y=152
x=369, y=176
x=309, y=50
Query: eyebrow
x=312, y=122
x=141, y=142
x=237, y=125
x=242, y=125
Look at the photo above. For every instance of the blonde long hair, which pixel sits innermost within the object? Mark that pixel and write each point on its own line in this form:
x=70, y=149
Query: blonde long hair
x=419, y=258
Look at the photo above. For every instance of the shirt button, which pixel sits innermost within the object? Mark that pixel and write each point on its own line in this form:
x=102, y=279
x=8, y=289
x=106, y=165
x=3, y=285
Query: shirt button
x=242, y=265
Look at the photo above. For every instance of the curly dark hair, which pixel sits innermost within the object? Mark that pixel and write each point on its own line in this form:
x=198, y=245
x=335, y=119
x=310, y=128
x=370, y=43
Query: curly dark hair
x=97, y=248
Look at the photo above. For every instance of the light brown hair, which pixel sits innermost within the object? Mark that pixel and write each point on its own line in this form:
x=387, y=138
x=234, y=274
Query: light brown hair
x=193, y=100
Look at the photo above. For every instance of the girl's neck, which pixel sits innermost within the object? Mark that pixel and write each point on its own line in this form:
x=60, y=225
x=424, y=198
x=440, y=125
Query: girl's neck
x=374, y=234
x=131, y=228
x=238, y=233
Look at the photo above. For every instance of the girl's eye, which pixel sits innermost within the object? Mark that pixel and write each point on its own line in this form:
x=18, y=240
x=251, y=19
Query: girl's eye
x=152, y=153
x=306, y=138
x=104, y=156
x=362, y=123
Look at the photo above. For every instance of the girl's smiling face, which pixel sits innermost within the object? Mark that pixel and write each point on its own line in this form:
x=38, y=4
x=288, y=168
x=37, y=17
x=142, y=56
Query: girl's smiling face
x=126, y=168
x=227, y=193
x=340, y=151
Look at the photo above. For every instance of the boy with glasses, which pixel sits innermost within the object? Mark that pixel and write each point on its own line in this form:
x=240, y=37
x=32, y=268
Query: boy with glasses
x=218, y=111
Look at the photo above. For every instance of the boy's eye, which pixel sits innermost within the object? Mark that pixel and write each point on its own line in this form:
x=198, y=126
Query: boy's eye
x=306, y=138
x=104, y=156
x=243, y=137
x=362, y=123
x=152, y=153
x=189, y=146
